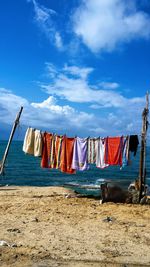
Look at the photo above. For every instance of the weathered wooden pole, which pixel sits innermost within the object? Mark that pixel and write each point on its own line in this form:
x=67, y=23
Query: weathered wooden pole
x=142, y=166
x=2, y=165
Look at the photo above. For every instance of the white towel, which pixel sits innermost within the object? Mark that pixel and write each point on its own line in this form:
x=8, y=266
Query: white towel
x=100, y=153
x=28, y=145
x=37, y=143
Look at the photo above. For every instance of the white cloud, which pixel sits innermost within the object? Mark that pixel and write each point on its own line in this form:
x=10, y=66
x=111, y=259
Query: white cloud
x=109, y=85
x=99, y=130
x=3, y=90
x=95, y=106
x=42, y=14
x=71, y=83
x=44, y=17
x=50, y=114
x=58, y=41
x=9, y=105
x=61, y=116
x=50, y=104
x=105, y=24
x=130, y=126
x=51, y=71
x=47, y=115
x=76, y=71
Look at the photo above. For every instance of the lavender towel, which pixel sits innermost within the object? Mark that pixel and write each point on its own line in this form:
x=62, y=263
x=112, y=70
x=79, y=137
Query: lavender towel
x=79, y=161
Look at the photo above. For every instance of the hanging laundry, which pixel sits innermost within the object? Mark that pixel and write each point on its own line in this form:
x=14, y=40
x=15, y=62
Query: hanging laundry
x=28, y=145
x=125, y=155
x=91, y=150
x=100, y=153
x=113, y=150
x=47, y=142
x=133, y=143
x=79, y=161
x=71, y=154
x=55, y=151
x=66, y=155
x=38, y=142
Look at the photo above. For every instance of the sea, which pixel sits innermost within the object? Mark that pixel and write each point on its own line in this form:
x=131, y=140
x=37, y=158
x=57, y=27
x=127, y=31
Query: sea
x=24, y=170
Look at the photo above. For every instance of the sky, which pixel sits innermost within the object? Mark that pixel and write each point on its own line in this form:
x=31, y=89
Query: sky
x=78, y=67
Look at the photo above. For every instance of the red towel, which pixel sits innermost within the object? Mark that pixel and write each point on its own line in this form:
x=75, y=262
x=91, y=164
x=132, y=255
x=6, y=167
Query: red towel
x=47, y=141
x=67, y=155
x=113, y=150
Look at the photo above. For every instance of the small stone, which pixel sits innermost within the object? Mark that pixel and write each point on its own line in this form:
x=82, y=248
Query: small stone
x=14, y=230
x=108, y=219
x=14, y=245
x=15, y=256
x=143, y=200
x=35, y=219
x=141, y=225
x=136, y=235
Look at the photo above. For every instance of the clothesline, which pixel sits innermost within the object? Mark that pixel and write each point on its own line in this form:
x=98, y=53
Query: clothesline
x=76, y=154
x=53, y=133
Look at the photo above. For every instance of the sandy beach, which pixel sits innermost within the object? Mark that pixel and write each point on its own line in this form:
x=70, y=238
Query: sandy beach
x=50, y=226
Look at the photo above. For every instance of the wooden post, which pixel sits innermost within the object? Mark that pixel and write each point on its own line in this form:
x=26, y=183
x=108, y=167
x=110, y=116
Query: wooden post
x=2, y=165
x=142, y=167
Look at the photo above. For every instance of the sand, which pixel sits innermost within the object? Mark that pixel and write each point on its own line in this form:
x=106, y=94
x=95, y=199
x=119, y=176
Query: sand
x=50, y=226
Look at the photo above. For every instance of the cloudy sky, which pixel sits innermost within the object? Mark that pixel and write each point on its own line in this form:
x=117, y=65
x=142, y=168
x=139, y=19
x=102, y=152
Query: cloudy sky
x=80, y=67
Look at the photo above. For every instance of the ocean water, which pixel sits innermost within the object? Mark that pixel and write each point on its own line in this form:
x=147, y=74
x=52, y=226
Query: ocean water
x=22, y=169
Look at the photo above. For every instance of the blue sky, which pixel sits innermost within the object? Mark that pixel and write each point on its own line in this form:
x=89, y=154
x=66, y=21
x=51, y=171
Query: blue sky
x=80, y=67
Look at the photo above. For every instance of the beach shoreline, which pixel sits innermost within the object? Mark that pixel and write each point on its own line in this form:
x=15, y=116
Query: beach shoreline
x=51, y=226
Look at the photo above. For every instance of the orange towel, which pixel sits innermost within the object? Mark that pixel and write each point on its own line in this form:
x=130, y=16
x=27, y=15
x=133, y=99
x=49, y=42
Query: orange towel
x=113, y=150
x=47, y=141
x=67, y=155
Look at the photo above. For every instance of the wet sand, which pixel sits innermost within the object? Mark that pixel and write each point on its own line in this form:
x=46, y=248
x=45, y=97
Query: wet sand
x=50, y=226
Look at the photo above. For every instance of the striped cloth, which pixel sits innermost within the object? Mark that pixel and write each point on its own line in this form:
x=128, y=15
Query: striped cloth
x=92, y=150
x=55, y=151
